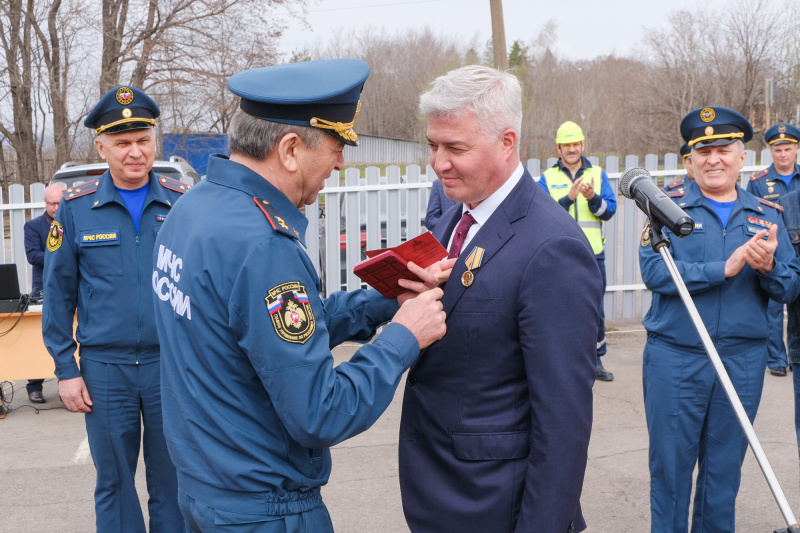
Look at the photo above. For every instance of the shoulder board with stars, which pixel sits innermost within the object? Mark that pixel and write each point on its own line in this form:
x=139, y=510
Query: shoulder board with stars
x=759, y=175
x=81, y=190
x=677, y=193
x=173, y=185
x=769, y=204
x=676, y=183
x=275, y=219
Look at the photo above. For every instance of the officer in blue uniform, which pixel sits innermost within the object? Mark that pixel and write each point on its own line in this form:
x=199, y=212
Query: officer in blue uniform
x=252, y=399
x=99, y=262
x=782, y=176
x=738, y=257
x=676, y=188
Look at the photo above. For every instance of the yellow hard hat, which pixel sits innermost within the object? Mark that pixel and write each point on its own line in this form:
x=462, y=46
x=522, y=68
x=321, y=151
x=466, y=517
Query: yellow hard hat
x=569, y=133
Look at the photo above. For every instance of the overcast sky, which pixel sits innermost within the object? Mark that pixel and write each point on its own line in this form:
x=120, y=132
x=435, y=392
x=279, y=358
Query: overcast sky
x=585, y=28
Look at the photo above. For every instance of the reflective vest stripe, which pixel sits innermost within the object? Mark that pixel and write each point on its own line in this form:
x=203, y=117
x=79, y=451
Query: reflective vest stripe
x=590, y=224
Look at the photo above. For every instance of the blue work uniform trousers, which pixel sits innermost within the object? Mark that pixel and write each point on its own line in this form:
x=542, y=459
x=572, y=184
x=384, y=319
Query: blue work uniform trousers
x=222, y=516
x=601, y=331
x=777, y=349
x=690, y=420
x=125, y=398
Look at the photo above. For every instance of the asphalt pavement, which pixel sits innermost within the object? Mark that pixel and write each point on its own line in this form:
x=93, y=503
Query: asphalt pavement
x=47, y=475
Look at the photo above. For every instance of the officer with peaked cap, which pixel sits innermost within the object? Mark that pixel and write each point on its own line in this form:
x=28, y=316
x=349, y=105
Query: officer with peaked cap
x=782, y=176
x=99, y=261
x=584, y=191
x=252, y=399
x=676, y=187
x=738, y=257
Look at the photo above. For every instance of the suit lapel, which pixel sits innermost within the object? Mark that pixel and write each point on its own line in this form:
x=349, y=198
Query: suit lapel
x=491, y=237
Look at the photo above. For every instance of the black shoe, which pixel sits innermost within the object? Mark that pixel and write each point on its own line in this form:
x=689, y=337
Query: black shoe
x=602, y=374
x=36, y=397
x=777, y=370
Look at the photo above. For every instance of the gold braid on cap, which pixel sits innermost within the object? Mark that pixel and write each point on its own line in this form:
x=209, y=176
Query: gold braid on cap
x=149, y=121
x=344, y=129
x=737, y=135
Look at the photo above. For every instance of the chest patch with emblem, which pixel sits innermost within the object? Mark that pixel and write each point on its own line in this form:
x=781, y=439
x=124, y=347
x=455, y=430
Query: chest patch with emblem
x=290, y=312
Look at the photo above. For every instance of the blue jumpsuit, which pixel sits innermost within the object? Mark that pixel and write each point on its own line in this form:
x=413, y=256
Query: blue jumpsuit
x=252, y=400
x=769, y=185
x=97, y=264
x=689, y=418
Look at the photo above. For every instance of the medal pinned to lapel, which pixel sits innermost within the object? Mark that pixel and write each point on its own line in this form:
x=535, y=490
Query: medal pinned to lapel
x=473, y=262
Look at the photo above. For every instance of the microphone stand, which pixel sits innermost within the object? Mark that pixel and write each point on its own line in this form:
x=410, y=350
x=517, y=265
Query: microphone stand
x=660, y=244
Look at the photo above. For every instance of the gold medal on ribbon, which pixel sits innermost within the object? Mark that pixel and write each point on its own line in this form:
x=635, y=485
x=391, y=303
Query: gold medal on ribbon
x=473, y=261
x=467, y=278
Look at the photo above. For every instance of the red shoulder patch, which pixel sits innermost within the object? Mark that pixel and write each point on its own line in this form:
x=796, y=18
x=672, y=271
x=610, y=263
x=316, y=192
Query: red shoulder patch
x=173, y=185
x=770, y=204
x=676, y=183
x=759, y=175
x=677, y=193
x=275, y=219
x=80, y=190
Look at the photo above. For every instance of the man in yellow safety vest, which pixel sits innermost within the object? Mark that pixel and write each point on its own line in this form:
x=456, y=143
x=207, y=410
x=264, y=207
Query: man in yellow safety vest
x=584, y=191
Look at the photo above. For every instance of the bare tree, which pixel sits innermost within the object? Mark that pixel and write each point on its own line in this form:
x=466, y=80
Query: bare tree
x=16, y=17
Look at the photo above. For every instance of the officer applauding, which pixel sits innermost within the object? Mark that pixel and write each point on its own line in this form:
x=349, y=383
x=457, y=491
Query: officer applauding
x=252, y=399
x=100, y=258
x=738, y=257
x=782, y=176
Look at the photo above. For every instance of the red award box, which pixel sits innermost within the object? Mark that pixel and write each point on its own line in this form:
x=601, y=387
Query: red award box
x=385, y=267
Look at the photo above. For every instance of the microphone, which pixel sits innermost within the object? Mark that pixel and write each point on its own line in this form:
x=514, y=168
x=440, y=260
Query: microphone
x=636, y=185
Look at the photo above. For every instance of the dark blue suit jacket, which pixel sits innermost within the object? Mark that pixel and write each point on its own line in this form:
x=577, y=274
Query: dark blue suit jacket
x=497, y=414
x=438, y=203
x=36, y=230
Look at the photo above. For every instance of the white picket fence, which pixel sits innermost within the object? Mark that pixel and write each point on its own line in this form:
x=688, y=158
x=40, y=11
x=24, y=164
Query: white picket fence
x=376, y=210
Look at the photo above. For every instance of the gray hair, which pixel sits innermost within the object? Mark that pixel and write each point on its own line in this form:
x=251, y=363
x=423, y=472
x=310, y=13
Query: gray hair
x=60, y=185
x=256, y=138
x=493, y=95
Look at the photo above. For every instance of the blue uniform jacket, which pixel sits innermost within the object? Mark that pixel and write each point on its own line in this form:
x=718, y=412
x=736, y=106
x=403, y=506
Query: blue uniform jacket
x=497, y=414
x=596, y=203
x=733, y=310
x=101, y=267
x=770, y=186
x=251, y=397
x=36, y=231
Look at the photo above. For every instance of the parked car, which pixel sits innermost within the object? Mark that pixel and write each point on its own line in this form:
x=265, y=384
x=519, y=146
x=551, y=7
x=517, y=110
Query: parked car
x=72, y=173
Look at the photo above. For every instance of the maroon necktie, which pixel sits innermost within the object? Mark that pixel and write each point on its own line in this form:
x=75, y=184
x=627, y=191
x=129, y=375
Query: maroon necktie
x=461, y=233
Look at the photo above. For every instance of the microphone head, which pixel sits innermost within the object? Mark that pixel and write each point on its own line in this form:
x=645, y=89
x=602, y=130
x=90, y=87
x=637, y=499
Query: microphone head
x=629, y=177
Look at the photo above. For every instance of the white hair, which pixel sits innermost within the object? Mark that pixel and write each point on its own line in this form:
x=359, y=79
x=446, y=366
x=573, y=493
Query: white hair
x=494, y=96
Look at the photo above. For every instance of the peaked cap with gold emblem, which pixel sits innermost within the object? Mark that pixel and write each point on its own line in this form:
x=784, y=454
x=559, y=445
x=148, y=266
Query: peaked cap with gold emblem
x=782, y=133
x=121, y=109
x=714, y=126
x=321, y=94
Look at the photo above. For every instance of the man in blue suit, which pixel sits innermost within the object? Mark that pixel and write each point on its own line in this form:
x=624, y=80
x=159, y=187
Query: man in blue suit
x=36, y=231
x=438, y=203
x=497, y=414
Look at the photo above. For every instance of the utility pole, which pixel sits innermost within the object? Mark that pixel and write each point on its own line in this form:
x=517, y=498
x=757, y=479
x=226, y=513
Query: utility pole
x=498, y=35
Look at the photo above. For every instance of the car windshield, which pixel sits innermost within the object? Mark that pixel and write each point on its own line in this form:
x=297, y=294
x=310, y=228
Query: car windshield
x=73, y=179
